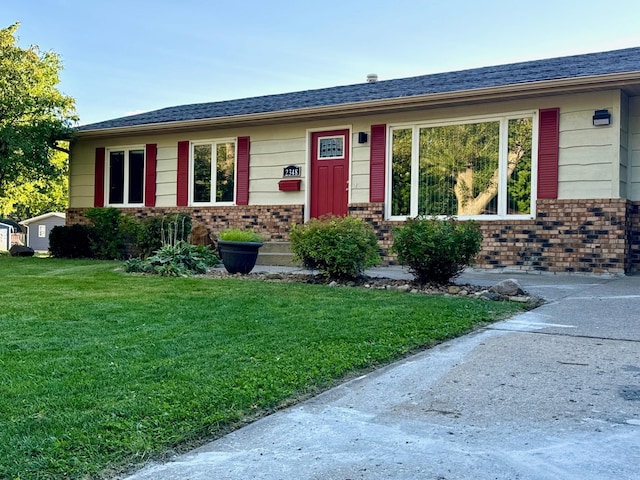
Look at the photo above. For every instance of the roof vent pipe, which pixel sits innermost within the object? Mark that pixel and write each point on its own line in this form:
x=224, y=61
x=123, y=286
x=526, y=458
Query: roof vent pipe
x=372, y=78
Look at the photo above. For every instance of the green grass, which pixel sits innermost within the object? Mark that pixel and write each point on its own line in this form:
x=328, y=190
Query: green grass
x=100, y=370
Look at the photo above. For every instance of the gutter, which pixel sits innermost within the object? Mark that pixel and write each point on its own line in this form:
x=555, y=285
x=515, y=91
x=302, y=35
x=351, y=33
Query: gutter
x=505, y=92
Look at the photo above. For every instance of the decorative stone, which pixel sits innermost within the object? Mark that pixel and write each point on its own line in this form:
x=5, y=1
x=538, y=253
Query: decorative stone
x=508, y=288
x=453, y=289
x=404, y=288
x=333, y=284
x=490, y=296
x=463, y=293
x=520, y=299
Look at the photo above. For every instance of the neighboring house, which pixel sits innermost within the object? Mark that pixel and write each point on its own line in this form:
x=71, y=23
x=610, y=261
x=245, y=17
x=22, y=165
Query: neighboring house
x=39, y=228
x=545, y=154
x=5, y=236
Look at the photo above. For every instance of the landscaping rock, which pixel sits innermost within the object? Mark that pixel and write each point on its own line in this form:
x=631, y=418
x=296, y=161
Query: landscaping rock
x=453, y=289
x=487, y=295
x=200, y=235
x=507, y=288
x=404, y=288
x=520, y=298
x=21, y=251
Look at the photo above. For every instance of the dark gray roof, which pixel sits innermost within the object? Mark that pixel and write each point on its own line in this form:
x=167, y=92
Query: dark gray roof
x=616, y=61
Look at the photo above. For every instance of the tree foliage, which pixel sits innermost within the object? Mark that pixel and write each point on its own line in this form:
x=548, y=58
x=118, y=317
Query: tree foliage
x=34, y=115
x=26, y=198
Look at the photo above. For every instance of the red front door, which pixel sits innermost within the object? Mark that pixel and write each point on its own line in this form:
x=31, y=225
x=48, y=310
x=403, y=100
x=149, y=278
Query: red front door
x=329, y=173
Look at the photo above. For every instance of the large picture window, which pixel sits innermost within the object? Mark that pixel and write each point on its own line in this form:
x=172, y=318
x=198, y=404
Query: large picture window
x=468, y=169
x=125, y=176
x=213, y=171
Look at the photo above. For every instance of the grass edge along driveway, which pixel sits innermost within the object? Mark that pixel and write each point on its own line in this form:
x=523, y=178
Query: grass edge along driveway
x=100, y=371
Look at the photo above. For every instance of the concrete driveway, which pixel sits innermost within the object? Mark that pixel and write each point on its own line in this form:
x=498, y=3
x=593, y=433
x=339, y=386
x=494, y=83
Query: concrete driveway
x=550, y=394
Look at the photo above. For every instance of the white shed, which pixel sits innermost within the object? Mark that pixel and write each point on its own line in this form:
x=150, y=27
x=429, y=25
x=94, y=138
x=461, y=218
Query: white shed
x=5, y=236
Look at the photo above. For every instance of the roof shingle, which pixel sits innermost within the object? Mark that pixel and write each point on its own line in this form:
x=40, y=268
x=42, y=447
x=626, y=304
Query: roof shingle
x=593, y=64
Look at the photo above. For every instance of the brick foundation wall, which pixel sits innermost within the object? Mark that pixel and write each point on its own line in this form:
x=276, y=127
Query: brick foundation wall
x=566, y=236
x=633, y=237
x=373, y=213
x=271, y=221
x=582, y=236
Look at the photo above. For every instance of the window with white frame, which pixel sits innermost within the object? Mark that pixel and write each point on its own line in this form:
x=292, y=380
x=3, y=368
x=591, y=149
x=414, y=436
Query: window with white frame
x=125, y=176
x=42, y=231
x=468, y=168
x=213, y=165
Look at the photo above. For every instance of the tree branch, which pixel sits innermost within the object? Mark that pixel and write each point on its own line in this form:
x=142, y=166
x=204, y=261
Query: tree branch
x=57, y=147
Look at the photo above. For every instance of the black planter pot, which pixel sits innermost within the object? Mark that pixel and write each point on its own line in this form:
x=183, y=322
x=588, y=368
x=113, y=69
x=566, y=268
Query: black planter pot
x=238, y=257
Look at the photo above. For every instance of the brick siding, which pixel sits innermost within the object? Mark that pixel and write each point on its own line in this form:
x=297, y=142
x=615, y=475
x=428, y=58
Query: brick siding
x=271, y=221
x=581, y=236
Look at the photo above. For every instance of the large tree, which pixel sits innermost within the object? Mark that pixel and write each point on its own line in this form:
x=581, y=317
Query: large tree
x=34, y=115
x=26, y=198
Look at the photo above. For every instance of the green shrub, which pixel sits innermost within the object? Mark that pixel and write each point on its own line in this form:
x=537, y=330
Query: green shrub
x=160, y=230
x=436, y=250
x=175, y=260
x=113, y=235
x=70, y=241
x=105, y=238
x=340, y=247
x=238, y=235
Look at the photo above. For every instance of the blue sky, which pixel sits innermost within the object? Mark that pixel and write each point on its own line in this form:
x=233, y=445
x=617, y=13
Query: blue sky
x=126, y=56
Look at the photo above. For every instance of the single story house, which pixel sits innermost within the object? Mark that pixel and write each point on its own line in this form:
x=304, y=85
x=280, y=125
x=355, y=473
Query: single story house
x=544, y=154
x=39, y=228
x=5, y=237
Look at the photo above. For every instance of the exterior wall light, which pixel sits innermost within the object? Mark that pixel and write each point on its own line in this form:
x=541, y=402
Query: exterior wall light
x=601, y=117
x=362, y=137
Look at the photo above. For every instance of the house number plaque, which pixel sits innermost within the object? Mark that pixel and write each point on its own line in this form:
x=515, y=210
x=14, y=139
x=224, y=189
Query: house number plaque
x=291, y=171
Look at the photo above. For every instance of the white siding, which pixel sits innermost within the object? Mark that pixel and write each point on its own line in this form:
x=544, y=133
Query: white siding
x=588, y=158
x=624, y=146
x=590, y=165
x=81, y=174
x=634, y=148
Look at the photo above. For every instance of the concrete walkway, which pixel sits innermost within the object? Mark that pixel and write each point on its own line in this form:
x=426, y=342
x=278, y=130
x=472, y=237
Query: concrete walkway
x=549, y=394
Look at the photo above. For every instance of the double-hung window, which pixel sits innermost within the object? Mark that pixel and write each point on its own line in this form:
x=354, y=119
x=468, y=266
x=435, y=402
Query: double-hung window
x=213, y=165
x=125, y=176
x=480, y=167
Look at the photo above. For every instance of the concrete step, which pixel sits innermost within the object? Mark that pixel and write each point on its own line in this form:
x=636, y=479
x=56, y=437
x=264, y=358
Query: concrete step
x=277, y=254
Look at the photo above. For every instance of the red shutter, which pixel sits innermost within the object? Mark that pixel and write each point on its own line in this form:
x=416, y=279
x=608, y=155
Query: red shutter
x=242, y=175
x=377, y=162
x=98, y=188
x=150, y=175
x=548, y=146
x=183, y=174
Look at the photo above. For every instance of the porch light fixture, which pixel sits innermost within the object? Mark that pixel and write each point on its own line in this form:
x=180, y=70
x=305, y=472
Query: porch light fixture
x=362, y=137
x=601, y=117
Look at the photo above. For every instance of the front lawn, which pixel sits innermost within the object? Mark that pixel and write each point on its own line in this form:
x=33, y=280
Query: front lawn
x=100, y=370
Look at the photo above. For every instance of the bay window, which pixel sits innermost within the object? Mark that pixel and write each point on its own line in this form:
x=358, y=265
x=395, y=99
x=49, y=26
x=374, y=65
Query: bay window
x=471, y=168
